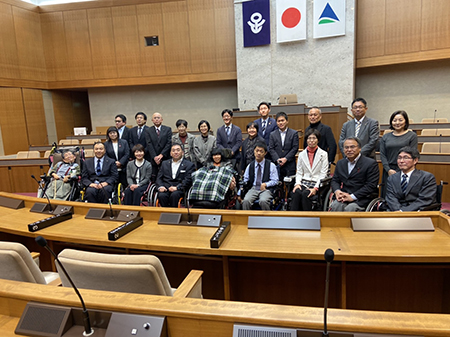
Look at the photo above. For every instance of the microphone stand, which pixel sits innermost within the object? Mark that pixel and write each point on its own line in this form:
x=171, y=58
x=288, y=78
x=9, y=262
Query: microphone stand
x=189, y=221
x=45, y=194
x=329, y=257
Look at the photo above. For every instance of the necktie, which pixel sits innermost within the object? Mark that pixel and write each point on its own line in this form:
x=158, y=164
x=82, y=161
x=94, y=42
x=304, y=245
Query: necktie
x=139, y=132
x=157, y=132
x=228, y=131
x=264, y=127
x=358, y=126
x=404, y=184
x=98, y=169
x=258, y=177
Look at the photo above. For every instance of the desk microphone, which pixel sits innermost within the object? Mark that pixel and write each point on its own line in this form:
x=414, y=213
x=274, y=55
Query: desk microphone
x=88, y=331
x=111, y=216
x=187, y=206
x=329, y=257
x=435, y=113
x=45, y=194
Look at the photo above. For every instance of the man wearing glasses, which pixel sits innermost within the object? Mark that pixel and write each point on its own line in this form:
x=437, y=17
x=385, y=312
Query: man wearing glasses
x=410, y=189
x=365, y=128
x=355, y=179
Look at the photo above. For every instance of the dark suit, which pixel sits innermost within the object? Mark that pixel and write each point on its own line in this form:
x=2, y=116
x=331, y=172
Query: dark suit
x=125, y=133
x=420, y=191
x=271, y=125
x=369, y=134
x=133, y=139
x=124, y=156
x=326, y=142
x=109, y=174
x=233, y=142
x=183, y=180
x=288, y=150
x=362, y=180
x=158, y=145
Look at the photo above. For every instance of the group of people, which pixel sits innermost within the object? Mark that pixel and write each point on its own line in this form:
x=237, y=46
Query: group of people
x=212, y=164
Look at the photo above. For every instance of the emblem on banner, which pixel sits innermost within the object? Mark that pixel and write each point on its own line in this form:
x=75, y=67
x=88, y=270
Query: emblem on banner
x=256, y=22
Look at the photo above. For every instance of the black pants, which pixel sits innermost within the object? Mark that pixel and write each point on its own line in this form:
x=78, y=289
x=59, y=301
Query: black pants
x=300, y=200
x=134, y=197
x=99, y=195
x=170, y=199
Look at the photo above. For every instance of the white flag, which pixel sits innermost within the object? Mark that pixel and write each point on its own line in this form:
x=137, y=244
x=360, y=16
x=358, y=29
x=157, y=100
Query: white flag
x=329, y=18
x=291, y=20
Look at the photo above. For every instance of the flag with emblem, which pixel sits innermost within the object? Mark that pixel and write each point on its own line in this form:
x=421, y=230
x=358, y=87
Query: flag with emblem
x=256, y=21
x=291, y=20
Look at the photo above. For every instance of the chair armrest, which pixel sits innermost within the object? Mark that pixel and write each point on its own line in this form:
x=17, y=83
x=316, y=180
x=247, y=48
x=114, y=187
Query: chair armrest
x=35, y=256
x=191, y=285
x=57, y=283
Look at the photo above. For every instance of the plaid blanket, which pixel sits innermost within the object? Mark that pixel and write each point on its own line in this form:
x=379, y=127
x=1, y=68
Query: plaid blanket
x=211, y=183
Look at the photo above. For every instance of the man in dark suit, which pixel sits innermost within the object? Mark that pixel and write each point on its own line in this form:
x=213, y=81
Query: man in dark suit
x=121, y=125
x=137, y=135
x=174, y=177
x=355, y=179
x=265, y=124
x=229, y=136
x=99, y=176
x=159, y=141
x=283, y=146
x=327, y=141
x=410, y=189
x=363, y=127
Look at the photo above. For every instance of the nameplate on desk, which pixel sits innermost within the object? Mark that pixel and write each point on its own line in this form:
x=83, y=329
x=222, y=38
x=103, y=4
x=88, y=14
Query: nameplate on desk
x=11, y=203
x=392, y=225
x=275, y=222
x=53, y=220
x=127, y=227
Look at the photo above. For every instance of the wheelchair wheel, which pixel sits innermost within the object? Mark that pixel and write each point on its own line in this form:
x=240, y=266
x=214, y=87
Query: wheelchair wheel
x=117, y=195
x=375, y=205
x=327, y=201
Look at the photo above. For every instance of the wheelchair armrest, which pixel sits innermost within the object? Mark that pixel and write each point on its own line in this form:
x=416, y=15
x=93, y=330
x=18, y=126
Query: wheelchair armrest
x=289, y=179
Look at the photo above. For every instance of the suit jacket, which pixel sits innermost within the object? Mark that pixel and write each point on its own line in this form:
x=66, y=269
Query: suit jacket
x=159, y=145
x=133, y=139
x=288, y=151
x=109, y=171
x=183, y=177
x=233, y=142
x=369, y=134
x=362, y=180
x=271, y=125
x=317, y=172
x=326, y=142
x=420, y=191
x=125, y=133
x=123, y=151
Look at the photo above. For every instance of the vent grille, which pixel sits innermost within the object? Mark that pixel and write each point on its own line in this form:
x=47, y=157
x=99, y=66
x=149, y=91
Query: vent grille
x=261, y=331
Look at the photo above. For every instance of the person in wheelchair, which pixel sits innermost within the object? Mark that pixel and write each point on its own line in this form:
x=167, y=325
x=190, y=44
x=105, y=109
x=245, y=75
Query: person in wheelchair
x=62, y=174
x=410, y=189
x=312, y=167
x=212, y=185
x=139, y=173
x=99, y=176
x=260, y=178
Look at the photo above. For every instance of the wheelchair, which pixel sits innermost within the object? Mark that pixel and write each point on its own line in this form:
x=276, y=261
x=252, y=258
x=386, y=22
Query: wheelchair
x=319, y=201
x=379, y=204
x=54, y=158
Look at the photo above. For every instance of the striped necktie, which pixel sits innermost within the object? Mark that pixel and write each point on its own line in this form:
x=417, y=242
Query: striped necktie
x=404, y=183
x=358, y=126
x=264, y=127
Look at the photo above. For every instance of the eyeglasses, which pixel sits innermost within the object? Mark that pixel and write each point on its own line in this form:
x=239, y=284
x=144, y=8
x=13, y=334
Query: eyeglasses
x=350, y=147
x=358, y=107
x=403, y=158
x=118, y=121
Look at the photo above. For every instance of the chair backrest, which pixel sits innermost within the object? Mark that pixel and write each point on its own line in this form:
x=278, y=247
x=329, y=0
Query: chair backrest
x=68, y=142
x=142, y=274
x=47, y=153
x=430, y=148
x=17, y=264
x=429, y=132
x=22, y=155
x=34, y=154
x=89, y=153
x=445, y=147
x=90, y=141
x=434, y=120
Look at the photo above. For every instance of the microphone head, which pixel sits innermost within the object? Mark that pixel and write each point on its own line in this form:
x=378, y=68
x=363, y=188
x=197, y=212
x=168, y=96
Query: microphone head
x=329, y=255
x=41, y=241
x=32, y=176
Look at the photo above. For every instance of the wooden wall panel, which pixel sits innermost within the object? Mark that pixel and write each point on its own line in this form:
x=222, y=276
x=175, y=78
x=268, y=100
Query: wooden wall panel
x=9, y=61
x=435, y=24
x=225, y=35
x=202, y=35
x=54, y=42
x=63, y=111
x=150, y=23
x=78, y=47
x=370, y=35
x=102, y=43
x=21, y=180
x=5, y=180
x=403, y=26
x=127, y=41
x=81, y=111
x=35, y=116
x=29, y=44
x=176, y=32
x=12, y=121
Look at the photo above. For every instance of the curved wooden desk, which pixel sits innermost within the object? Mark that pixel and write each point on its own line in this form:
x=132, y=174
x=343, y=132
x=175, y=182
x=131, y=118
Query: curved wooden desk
x=396, y=271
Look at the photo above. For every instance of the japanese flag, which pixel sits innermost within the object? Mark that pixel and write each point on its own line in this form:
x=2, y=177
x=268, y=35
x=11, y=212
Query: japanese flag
x=291, y=20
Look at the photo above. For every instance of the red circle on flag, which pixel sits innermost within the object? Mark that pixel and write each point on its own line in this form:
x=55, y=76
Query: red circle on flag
x=291, y=17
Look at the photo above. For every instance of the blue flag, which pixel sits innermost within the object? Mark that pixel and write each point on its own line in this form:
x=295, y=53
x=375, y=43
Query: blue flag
x=256, y=21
